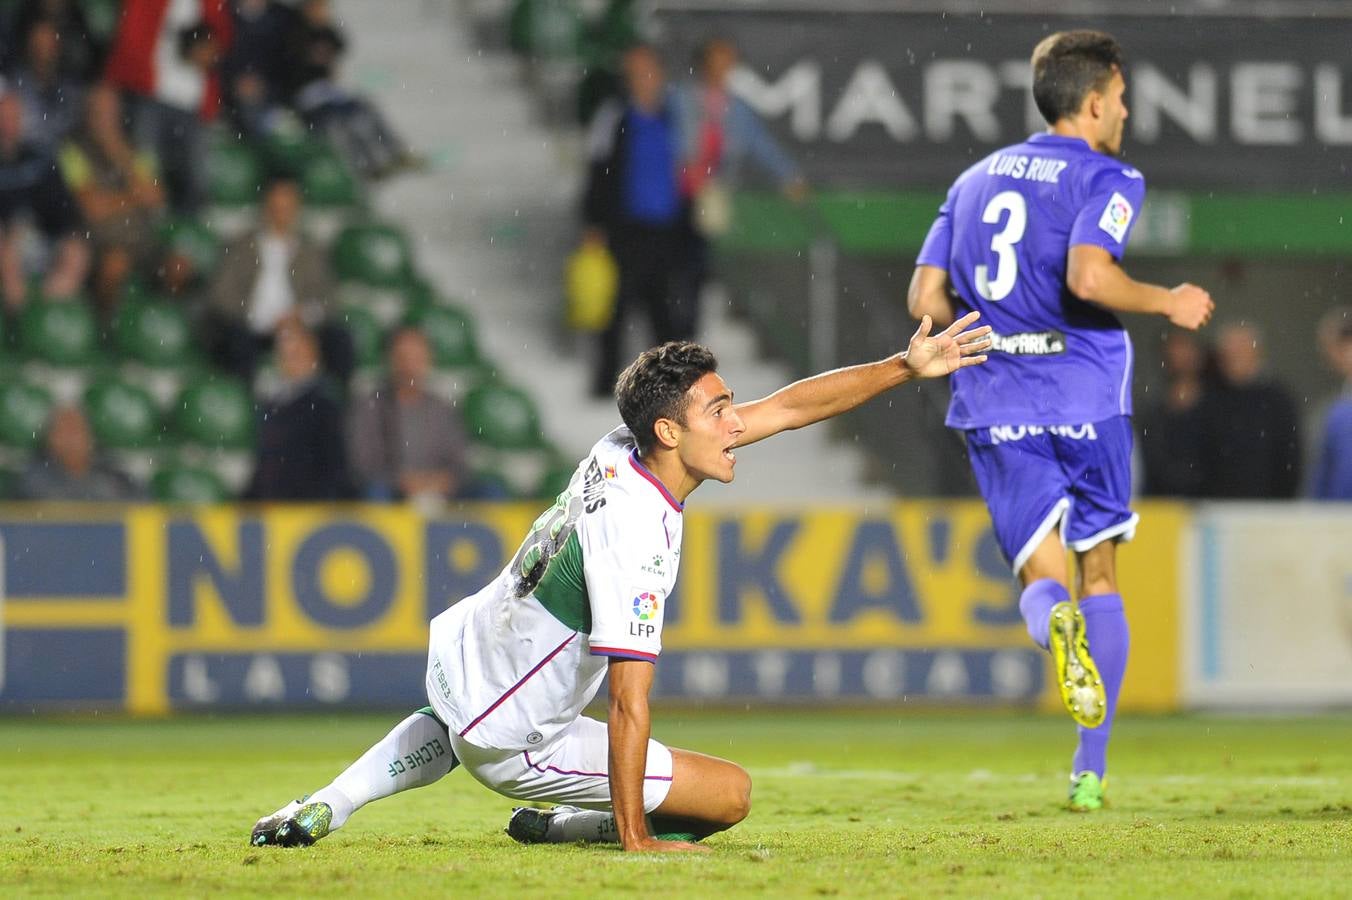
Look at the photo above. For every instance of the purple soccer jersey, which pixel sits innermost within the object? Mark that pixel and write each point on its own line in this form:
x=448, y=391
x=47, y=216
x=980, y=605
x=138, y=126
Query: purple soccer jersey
x=1003, y=236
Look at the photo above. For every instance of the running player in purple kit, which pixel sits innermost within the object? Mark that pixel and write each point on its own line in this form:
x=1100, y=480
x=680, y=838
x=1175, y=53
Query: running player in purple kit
x=1031, y=236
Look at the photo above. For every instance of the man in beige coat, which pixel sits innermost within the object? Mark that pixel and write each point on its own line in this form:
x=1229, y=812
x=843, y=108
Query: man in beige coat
x=270, y=276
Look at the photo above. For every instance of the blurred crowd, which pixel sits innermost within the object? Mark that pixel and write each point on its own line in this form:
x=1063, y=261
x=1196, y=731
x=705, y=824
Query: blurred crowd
x=109, y=133
x=1226, y=428
x=106, y=142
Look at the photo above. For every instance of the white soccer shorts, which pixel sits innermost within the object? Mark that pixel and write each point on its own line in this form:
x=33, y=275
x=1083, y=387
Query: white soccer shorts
x=570, y=769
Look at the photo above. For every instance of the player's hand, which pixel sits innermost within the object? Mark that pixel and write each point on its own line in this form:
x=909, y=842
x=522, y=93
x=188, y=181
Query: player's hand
x=653, y=845
x=1191, y=308
x=937, y=355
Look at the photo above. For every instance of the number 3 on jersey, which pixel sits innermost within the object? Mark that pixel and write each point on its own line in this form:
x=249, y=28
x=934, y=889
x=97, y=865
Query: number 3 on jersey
x=1002, y=244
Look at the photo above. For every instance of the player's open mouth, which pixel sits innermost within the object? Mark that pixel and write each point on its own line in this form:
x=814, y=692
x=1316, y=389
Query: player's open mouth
x=730, y=455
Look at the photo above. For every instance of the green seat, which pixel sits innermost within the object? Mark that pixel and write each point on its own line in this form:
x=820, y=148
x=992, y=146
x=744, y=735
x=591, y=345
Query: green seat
x=557, y=477
x=234, y=174
x=368, y=338
x=24, y=409
x=153, y=333
x=216, y=412
x=194, y=240
x=291, y=146
x=101, y=17
x=59, y=333
x=450, y=332
x=376, y=255
x=545, y=28
x=502, y=417
x=177, y=483
x=121, y=415
x=327, y=183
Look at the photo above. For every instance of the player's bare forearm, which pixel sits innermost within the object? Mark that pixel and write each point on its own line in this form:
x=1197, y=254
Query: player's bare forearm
x=1093, y=275
x=629, y=728
x=930, y=294
x=841, y=390
x=820, y=397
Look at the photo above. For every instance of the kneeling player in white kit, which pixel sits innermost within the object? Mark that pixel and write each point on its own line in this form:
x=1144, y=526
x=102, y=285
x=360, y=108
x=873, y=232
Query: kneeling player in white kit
x=511, y=668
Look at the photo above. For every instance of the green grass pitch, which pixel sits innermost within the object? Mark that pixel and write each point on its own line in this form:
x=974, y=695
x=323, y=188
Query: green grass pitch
x=876, y=803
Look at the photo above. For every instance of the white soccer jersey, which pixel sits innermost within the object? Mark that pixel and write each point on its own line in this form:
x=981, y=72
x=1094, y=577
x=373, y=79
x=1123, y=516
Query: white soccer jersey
x=517, y=662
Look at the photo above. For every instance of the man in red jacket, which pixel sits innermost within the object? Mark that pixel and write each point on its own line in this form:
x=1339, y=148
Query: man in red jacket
x=165, y=58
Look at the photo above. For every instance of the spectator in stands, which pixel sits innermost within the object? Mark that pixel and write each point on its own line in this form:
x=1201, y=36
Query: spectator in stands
x=355, y=127
x=165, y=57
x=51, y=97
x=1251, y=430
x=116, y=186
x=70, y=469
x=719, y=133
x=81, y=53
x=1333, y=463
x=31, y=190
x=1172, y=434
x=269, y=276
x=405, y=442
x=300, y=433
x=632, y=202
x=253, y=70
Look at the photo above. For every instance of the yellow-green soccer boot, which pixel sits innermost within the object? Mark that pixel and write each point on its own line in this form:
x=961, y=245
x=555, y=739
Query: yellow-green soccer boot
x=1086, y=792
x=298, y=824
x=1076, y=675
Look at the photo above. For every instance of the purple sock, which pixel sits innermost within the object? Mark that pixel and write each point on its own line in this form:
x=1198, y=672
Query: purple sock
x=1105, y=625
x=1036, y=604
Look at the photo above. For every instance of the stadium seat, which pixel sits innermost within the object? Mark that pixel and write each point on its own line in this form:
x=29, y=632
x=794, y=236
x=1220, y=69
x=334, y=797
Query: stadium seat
x=179, y=483
x=194, y=240
x=121, y=415
x=216, y=412
x=502, y=417
x=154, y=333
x=101, y=17
x=24, y=409
x=367, y=336
x=234, y=174
x=387, y=305
x=450, y=332
x=375, y=254
x=327, y=183
x=545, y=28
x=58, y=333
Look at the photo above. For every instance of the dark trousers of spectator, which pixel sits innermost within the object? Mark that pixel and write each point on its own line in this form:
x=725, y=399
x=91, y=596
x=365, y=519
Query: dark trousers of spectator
x=655, y=276
x=239, y=350
x=362, y=136
x=178, y=139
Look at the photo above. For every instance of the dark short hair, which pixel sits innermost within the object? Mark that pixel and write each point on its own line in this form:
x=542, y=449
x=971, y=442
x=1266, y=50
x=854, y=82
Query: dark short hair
x=1068, y=65
x=655, y=386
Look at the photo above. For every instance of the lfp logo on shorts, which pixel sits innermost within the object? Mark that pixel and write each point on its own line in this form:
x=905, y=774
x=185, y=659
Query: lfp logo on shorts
x=645, y=606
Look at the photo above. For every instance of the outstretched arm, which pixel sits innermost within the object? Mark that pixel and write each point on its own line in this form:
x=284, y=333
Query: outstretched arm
x=841, y=390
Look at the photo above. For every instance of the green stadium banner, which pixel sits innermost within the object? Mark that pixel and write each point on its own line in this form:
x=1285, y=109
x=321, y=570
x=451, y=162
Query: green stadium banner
x=1173, y=223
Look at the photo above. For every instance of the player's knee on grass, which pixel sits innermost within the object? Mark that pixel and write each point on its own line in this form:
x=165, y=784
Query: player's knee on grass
x=733, y=801
x=707, y=789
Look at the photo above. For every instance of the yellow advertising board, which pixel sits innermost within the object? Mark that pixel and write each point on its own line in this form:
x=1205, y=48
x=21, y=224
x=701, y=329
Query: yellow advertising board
x=154, y=609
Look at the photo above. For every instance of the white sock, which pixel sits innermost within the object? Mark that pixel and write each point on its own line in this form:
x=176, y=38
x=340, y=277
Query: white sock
x=589, y=825
x=416, y=753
